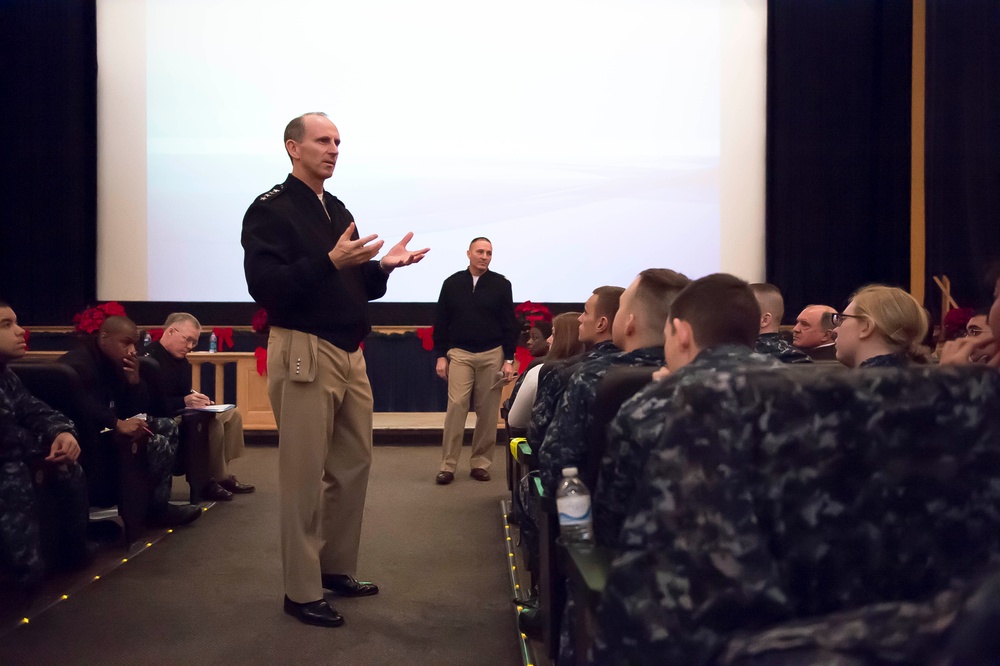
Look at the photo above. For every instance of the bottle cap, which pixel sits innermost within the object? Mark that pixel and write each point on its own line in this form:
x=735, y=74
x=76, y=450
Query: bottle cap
x=569, y=471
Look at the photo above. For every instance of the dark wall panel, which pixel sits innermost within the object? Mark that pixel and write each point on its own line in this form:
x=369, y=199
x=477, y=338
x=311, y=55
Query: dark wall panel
x=838, y=156
x=963, y=145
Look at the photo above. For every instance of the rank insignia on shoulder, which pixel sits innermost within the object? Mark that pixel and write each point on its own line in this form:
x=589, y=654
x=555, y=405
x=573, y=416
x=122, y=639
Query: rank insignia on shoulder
x=274, y=192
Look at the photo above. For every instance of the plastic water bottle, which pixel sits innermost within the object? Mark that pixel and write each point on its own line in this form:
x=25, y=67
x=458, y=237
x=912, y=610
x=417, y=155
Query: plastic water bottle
x=573, y=504
x=213, y=343
x=147, y=339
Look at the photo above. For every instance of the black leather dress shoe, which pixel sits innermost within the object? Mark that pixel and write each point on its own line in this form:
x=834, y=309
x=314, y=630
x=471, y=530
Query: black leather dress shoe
x=232, y=484
x=172, y=515
x=480, y=474
x=318, y=613
x=214, y=492
x=348, y=586
x=444, y=478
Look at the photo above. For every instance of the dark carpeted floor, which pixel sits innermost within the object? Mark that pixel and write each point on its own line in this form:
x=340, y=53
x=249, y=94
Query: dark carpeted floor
x=211, y=593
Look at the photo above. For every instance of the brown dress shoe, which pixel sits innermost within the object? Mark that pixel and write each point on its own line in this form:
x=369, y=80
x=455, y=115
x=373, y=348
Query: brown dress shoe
x=444, y=478
x=231, y=484
x=480, y=474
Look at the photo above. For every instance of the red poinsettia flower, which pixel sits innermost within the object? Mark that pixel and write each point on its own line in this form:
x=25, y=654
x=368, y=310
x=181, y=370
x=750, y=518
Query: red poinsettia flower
x=259, y=322
x=90, y=320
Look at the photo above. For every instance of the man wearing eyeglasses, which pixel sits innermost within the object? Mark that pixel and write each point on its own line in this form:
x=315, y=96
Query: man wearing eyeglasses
x=814, y=334
x=174, y=394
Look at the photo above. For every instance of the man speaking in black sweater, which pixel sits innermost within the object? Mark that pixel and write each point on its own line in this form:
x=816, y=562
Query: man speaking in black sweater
x=475, y=334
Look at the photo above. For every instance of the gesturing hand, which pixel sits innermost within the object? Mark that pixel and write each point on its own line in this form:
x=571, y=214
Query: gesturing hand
x=398, y=255
x=347, y=252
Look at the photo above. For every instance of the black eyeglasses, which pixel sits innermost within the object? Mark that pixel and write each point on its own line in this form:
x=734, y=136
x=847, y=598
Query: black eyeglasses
x=837, y=318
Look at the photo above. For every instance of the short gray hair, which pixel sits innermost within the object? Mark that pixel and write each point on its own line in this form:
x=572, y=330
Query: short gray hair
x=179, y=318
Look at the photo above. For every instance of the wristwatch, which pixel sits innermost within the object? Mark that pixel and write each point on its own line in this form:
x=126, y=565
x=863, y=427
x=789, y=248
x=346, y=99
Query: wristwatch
x=509, y=361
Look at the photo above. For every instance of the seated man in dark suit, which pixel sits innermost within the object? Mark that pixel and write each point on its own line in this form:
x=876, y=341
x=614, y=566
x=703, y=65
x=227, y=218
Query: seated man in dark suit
x=34, y=435
x=118, y=400
x=174, y=394
x=813, y=333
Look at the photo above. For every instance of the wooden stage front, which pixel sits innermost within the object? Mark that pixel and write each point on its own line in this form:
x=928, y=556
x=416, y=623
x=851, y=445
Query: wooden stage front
x=394, y=428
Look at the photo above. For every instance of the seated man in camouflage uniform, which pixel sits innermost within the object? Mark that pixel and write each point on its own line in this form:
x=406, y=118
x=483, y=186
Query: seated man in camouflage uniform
x=711, y=328
x=796, y=517
x=769, y=340
x=116, y=397
x=638, y=331
x=596, y=324
x=35, y=437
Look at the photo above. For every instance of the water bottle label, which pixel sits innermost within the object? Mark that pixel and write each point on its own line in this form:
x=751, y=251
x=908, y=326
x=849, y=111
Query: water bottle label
x=574, y=509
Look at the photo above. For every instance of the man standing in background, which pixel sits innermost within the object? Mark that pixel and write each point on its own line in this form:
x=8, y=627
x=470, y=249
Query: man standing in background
x=475, y=334
x=307, y=266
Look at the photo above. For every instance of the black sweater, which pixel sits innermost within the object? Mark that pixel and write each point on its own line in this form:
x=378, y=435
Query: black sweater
x=171, y=383
x=286, y=240
x=109, y=397
x=475, y=319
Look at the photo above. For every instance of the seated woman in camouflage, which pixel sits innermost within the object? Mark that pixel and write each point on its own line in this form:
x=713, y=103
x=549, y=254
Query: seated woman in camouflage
x=881, y=327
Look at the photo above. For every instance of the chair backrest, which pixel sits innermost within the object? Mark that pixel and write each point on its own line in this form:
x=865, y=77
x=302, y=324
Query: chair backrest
x=615, y=387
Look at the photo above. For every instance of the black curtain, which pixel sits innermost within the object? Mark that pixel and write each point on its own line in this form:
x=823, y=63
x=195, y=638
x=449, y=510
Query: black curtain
x=48, y=188
x=838, y=147
x=963, y=146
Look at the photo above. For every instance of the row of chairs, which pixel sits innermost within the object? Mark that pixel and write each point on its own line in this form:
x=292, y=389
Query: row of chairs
x=116, y=472
x=555, y=563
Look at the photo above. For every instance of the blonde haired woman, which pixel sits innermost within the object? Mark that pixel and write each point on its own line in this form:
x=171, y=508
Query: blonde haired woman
x=881, y=327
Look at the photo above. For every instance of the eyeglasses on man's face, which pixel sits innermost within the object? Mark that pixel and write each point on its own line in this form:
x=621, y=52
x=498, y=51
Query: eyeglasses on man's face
x=189, y=340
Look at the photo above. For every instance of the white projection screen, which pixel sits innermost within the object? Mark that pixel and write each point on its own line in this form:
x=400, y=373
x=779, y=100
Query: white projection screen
x=588, y=139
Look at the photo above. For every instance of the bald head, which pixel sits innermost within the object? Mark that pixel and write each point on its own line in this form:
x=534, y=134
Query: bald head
x=117, y=337
x=810, y=330
x=772, y=306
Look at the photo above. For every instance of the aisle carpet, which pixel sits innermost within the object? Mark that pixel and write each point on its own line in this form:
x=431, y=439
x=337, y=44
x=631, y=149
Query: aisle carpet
x=211, y=593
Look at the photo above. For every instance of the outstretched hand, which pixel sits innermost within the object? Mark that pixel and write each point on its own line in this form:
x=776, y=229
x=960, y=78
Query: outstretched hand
x=348, y=252
x=398, y=255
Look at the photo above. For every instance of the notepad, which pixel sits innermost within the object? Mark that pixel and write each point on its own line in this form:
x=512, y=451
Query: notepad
x=215, y=409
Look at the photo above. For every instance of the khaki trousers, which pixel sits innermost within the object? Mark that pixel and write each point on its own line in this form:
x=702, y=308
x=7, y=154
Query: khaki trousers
x=322, y=404
x=472, y=374
x=225, y=442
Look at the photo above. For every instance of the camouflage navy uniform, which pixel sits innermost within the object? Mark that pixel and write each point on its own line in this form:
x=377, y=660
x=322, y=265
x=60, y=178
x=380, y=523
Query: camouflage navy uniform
x=886, y=361
x=638, y=426
x=551, y=385
x=772, y=344
x=565, y=442
x=806, y=512
x=111, y=398
x=27, y=428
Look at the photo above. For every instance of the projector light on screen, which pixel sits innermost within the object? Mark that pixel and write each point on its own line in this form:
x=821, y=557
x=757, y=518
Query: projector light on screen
x=583, y=138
